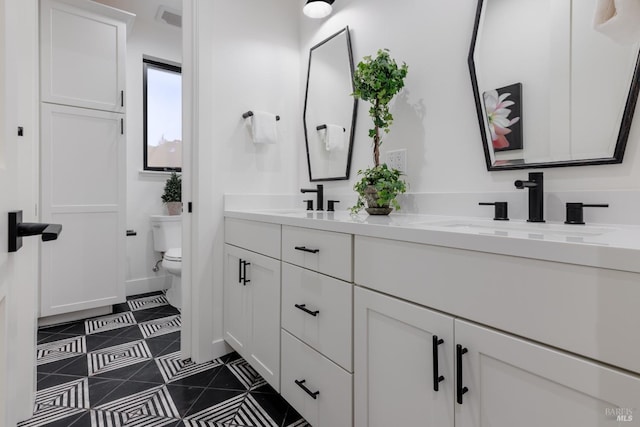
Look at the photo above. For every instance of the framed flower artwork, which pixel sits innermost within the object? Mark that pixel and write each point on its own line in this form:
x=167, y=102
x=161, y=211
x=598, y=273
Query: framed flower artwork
x=504, y=115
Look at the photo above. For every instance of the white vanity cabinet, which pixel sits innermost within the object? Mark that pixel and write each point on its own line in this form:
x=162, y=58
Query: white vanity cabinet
x=317, y=296
x=252, y=295
x=491, y=378
x=83, y=51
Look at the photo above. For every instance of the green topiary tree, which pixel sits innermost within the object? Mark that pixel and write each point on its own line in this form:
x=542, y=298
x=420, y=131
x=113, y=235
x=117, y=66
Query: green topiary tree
x=377, y=80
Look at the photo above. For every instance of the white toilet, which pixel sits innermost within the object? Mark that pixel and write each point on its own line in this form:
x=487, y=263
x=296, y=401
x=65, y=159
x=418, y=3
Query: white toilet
x=167, y=238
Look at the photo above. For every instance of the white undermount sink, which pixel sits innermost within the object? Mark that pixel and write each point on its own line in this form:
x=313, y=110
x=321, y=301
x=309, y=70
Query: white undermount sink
x=518, y=228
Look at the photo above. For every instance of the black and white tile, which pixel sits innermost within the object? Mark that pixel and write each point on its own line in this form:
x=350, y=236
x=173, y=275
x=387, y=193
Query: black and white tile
x=125, y=369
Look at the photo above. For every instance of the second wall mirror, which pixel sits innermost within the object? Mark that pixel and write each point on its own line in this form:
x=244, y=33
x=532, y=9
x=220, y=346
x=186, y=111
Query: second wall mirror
x=329, y=109
x=549, y=89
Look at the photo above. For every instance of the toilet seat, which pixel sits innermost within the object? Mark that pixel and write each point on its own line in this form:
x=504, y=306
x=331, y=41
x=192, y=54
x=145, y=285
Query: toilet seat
x=173, y=254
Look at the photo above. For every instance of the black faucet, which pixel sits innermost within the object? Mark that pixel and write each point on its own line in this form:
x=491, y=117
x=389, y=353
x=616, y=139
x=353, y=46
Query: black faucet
x=319, y=190
x=535, y=184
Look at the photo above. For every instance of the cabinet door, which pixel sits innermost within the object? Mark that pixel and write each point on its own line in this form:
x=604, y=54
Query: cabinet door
x=236, y=308
x=514, y=382
x=252, y=310
x=83, y=188
x=82, y=57
x=264, y=325
x=394, y=363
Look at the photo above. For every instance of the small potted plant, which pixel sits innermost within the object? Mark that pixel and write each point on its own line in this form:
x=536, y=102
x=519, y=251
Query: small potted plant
x=172, y=196
x=377, y=80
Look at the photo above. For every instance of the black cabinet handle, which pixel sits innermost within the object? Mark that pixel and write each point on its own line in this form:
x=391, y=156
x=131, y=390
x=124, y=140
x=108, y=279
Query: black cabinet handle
x=460, y=389
x=304, y=308
x=437, y=378
x=244, y=273
x=240, y=262
x=304, y=249
x=313, y=394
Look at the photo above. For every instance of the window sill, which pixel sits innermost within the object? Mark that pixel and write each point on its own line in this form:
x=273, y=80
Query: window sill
x=158, y=174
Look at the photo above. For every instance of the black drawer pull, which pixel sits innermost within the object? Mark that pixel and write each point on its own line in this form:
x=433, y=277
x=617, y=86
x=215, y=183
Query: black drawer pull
x=304, y=308
x=304, y=249
x=437, y=378
x=244, y=271
x=460, y=389
x=313, y=394
x=240, y=262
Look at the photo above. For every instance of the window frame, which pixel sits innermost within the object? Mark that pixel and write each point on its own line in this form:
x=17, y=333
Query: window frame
x=163, y=66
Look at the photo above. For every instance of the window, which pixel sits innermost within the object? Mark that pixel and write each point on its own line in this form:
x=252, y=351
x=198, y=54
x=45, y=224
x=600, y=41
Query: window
x=162, y=109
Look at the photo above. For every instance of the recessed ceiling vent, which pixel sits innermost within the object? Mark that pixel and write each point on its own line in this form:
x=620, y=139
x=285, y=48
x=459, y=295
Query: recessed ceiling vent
x=169, y=16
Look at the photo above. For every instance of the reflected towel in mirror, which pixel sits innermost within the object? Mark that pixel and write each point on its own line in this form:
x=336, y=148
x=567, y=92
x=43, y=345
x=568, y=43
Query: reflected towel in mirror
x=263, y=128
x=618, y=19
x=333, y=137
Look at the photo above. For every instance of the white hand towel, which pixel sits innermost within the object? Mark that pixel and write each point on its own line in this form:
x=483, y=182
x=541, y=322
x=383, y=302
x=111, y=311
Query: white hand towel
x=334, y=138
x=263, y=128
x=618, y=20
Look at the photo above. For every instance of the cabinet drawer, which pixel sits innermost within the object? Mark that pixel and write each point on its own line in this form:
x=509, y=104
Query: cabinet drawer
x=326, y=325
x=331, y=406
x=324, y=251
x=261, y=237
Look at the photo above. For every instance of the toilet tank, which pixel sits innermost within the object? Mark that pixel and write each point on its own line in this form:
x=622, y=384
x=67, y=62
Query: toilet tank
x=167, y=232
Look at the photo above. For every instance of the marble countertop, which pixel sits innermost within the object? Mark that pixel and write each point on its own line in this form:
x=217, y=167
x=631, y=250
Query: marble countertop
x=614, y=247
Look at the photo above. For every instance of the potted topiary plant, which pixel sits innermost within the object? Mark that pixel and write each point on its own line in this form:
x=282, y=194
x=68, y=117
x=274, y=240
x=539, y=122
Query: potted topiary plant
x=377, y=80
x=172, y=196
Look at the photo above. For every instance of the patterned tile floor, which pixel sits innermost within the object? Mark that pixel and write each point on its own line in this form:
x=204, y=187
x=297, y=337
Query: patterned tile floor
x=124, y=369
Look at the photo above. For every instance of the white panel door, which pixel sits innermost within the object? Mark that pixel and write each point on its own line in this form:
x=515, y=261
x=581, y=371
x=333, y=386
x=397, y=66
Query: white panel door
x=18, y=191
x=82, y=57
x=394, y=363
x=83, y=188
x=514, y=382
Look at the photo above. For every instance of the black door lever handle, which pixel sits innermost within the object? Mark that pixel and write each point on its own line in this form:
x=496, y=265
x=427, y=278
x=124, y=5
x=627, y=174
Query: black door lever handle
x=19, y=229
x=48, y=231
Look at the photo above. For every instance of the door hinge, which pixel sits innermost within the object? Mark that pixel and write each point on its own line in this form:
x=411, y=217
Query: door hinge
x=20, y=131
x=189, y=207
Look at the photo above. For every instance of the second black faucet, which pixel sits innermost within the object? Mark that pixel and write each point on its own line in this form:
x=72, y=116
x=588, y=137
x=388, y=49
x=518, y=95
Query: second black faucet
x=535, y=184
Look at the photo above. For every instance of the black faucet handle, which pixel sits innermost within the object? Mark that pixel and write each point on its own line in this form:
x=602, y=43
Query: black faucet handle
x=331, y=205
x=309, y=204
x=500, y=212
x=575, y=213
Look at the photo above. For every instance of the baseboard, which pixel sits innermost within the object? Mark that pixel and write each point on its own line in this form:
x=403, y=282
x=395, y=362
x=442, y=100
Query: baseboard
x=73, y=316
x=219, y=348
x=147, y=284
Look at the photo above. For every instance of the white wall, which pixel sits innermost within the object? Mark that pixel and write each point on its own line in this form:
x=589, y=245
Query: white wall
x=248, y=59
x=435, y=117
x=156, y=39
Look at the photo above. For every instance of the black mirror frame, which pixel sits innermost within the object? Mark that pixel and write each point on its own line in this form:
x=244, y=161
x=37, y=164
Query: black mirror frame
x=355, y=108
x=623, y=134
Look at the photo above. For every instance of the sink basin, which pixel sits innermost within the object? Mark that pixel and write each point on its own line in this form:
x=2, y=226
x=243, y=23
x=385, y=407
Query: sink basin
x=519, y=229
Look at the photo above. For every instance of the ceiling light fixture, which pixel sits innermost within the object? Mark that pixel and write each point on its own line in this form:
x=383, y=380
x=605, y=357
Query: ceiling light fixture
x=318, y=8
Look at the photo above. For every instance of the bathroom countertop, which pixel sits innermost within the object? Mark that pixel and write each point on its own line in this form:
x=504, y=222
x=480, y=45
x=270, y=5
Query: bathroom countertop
x=614, y=247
